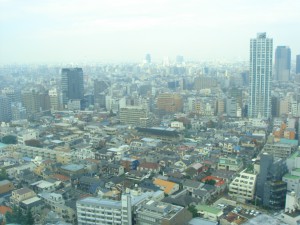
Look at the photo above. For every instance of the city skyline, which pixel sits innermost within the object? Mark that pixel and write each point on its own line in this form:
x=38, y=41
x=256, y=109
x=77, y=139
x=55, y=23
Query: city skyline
x=52, y=31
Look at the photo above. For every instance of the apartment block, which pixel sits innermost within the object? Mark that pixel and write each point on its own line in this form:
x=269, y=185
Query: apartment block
x=242, y=188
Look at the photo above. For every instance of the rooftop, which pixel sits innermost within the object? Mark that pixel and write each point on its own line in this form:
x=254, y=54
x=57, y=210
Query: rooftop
x=209, y=209
x=290, y=176
x=73, y=167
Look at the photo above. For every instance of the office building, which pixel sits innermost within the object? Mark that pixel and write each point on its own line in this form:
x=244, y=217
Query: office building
x=282, y=63
x=54, y=99
x=261, y=52
x=71, y=84
x=203, y=82
x=147, y=58
x=159, y=213
x=18, y=111
x=135, y=116
x=100, y=91
x=270, y=189
x=169, y=102
x=279, y=150
x=298, y=64
x=31, y=101
x=5, y=109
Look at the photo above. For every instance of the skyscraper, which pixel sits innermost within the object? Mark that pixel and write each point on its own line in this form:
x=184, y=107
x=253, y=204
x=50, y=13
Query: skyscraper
x=5, y=109
x=261, y=51
x=100, y=91
x=71, y=84
x=298, y=64
x=282, y=63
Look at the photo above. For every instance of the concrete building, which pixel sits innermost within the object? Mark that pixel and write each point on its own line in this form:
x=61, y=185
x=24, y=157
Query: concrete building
x=291, y=214
x=20, y=195
x=71, y=84
x=261, y=53
x=231, y=107
x=282, y=63
x=31, y=101
x=297, y=64
x=279, y=150
x=154, y=213
x=230, y=164
x=135, y=116
x=100, y=211
x=100, y=91
x=210, y=213
x=242, y=188
x=270, y=189
x=54, y=99
x=169, y=102
x=18, y=111
x=202, y=82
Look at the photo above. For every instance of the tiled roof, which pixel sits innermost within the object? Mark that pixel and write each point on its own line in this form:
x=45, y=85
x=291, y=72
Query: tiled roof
x=167, y=185
x=4, y=209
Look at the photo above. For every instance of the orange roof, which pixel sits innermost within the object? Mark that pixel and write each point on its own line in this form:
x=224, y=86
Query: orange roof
x=167, y=185
x=4, y=209
x=60, y=177
x=219, y=181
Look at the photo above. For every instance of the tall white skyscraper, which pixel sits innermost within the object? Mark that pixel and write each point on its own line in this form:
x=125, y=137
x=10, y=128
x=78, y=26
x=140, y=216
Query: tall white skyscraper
x=261, y=52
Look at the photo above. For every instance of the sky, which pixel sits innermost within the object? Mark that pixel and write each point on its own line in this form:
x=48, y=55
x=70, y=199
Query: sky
x=55, y=31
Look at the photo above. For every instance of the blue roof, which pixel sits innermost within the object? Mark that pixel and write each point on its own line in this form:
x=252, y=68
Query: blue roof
x=288, y=141
x=237, y=148
x=27, y=159
x=72, y=167
x=2, y=145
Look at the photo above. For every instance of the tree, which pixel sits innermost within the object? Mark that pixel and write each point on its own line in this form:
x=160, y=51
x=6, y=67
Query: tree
x=9, y=139
x=193, y=210
x=29, y=220
x=34, y=143
x=3, y=175
x=210, y=182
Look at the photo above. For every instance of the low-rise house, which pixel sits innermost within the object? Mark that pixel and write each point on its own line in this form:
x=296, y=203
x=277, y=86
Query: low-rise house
x=191, y=185
x=43, y=185
x=72, y=170
x=229, y=163
x=209, y=212
x=6, y=186
x=148, y=166
x=89, y=184
x=20, y=195
x=167, y=186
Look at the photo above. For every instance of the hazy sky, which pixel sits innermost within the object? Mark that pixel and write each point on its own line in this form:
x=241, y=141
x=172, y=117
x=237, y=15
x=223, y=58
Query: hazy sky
x=41, y=31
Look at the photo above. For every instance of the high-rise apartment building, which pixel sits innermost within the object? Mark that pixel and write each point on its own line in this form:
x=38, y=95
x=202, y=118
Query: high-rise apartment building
x=31, y=101
x=100, y=91
x=5, y=109
x=298, y=64
x=71, y=84
x=135, y=116
x=54, y=99
x=282, y=63
x=169, y=102
x=261, y=51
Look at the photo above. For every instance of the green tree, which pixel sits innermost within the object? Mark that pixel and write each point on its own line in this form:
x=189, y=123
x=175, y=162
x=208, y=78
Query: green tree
x=193, y=210
x=9, y=139
x=34, y=143
x=211, y=182
x=29, y=220
x=9, y=217
x=3, y=175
